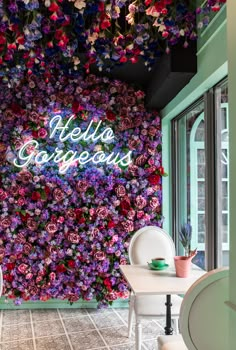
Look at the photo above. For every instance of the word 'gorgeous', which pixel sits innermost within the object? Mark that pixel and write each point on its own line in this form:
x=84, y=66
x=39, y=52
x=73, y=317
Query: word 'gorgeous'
x=29, y=152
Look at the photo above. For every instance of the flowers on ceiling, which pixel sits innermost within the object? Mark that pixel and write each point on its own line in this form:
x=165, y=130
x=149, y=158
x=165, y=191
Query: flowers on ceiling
x=43, y=34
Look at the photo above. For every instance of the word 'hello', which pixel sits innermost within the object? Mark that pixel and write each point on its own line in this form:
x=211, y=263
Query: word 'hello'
x=71, y=157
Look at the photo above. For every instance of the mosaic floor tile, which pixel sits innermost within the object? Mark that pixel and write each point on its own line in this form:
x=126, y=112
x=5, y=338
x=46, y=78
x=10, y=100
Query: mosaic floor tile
x=48, y=328
x=123, y=313
x=151, y=344
x=15, y=316
x=78, y=324
x=115, y=335
x=67, y=313
x=44, y=315
x=16, y=332
x=107, y=320
x=19, y=345
x=86, y=340
x=53, y=343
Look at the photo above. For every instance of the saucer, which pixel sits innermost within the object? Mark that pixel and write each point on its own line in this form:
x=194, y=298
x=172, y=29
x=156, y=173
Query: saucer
x=157, y=268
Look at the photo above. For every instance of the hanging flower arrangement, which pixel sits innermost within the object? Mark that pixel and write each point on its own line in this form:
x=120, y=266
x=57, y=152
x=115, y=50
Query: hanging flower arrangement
x=39, y=33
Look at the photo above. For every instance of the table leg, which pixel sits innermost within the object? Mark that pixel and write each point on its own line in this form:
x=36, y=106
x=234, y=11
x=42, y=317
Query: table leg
x=168, y=328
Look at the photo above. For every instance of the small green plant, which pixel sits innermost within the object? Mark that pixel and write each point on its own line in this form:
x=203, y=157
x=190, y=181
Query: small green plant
x=185, y=237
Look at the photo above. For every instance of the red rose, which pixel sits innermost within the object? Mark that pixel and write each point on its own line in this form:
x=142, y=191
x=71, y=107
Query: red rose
x=10, y=266
x=154, y=179
x=71, y=264
x=24, y=217
x=125, y=206
x=110, y=116
x=111, y=224
x=161, y=170
x=108, y=284
x=61, y=268
x=36, y=196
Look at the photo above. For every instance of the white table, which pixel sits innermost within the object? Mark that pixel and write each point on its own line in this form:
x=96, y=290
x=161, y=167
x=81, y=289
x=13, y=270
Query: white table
x=144, y=281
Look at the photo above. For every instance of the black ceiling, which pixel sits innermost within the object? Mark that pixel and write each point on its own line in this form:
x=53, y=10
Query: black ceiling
x=164, y=81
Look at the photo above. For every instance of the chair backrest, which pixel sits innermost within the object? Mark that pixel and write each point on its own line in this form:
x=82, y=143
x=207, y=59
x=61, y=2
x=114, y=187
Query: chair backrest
x=150, y=242
x=203, y=315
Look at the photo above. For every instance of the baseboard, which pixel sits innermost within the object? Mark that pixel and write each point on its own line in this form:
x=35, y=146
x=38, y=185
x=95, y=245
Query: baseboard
x=8, y=304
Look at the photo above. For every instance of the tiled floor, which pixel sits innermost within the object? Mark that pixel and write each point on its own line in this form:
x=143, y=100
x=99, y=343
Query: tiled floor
x=72, y=329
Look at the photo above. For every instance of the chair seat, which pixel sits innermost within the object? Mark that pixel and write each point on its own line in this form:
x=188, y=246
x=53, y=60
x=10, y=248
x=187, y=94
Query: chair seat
x=173, y=342
x=153, y=305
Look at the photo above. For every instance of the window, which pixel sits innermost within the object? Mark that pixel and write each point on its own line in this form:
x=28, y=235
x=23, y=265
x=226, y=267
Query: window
x=189, y=168
x=200, y=176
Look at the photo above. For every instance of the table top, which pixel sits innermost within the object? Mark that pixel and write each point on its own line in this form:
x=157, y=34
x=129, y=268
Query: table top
x=142, y=280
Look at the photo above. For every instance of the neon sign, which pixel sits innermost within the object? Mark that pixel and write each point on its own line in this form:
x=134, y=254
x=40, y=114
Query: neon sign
x=65, y=160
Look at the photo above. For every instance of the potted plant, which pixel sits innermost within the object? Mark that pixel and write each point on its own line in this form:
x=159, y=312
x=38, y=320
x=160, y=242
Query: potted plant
x=183, y=263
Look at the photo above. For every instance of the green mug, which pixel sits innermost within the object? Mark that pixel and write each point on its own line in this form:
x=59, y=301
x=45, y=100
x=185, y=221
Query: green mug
x=158, y=262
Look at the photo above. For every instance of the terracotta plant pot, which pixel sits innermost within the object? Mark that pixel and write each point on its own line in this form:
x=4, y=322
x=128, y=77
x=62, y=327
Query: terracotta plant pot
x=183, y=265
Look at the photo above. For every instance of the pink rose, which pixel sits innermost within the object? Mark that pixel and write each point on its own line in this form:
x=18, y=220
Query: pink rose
x=51, y=227
x=22, y=191
x=125, y=124
x=25, y=176
x=133, y=169
x=139, y=94
x=82, y=185
x=20, y=238
x=3, y=195
x=58, y=194
x=111, y=296
x=70, y=213
x=29, y=275
x=33, y=290
x=27, y=248
x=21, y=201
x=34, y=116
x=73, y=237
x=102, y=212
x=5, y=222
x=133, y=144
x=31, y=224
x=154, y=202
x=128, y=225
x=61, y=219
x=140, y=214
x=123, y=261
x=152, y=130
x=14, y=190
x=120, y=191
x=52, y=276
x=141, y=160
x=115, y=238
x=42, y=133
x=140, y=202
x=100, y=256
x=131, y=214
x=22, y=268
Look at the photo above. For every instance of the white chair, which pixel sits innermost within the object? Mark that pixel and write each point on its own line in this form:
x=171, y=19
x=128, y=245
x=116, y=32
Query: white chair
x=203, y=315
x=147, y=243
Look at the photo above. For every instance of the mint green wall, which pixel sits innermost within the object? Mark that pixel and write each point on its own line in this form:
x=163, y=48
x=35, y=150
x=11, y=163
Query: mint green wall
x=231, y=25
x=212, y=67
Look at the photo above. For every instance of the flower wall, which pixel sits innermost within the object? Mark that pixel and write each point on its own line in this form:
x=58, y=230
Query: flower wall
x=80, y=173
